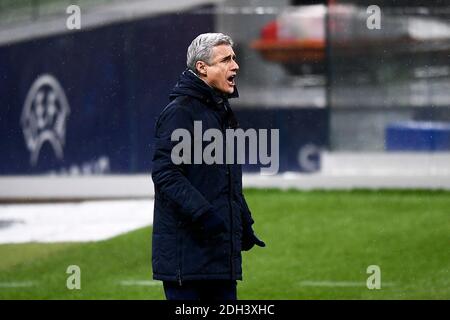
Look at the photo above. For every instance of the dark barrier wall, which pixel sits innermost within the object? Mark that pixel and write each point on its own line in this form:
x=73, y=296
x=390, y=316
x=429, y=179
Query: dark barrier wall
x=116, y=80
x=303, y=133
x=86, y=102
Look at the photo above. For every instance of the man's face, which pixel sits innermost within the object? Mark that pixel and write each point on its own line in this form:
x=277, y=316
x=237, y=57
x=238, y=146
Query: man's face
x=220, y=73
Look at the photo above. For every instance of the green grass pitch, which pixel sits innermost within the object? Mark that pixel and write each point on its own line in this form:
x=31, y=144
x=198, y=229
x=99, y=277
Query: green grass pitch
x=319, y=245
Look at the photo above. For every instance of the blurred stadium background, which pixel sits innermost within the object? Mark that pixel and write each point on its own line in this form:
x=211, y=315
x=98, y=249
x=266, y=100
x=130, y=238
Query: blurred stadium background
x=364, y=120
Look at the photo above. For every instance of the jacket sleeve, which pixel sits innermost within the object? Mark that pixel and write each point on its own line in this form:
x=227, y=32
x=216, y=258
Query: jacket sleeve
x=247, y=219
x=246, y=215
x=169, y=179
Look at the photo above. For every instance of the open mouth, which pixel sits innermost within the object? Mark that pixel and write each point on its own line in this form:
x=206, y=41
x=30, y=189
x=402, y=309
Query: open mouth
x=230, y=80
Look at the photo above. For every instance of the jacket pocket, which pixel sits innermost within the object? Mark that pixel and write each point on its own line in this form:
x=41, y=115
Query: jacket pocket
x=164, y=254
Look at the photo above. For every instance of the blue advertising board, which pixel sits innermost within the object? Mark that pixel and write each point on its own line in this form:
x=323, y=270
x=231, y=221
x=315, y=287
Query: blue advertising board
x=86, y=101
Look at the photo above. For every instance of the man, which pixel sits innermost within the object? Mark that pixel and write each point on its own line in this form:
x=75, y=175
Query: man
x=201, y=219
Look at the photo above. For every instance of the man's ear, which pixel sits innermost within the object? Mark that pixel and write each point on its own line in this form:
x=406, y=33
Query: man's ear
x=201, y=68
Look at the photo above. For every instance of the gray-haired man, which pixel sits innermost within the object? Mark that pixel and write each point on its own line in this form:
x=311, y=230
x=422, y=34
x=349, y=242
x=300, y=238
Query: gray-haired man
x=201, y=219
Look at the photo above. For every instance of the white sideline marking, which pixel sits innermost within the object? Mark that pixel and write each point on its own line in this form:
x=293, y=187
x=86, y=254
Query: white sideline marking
x=64, y=222
x=147, y=283
x=17, y=284
x=340, y=284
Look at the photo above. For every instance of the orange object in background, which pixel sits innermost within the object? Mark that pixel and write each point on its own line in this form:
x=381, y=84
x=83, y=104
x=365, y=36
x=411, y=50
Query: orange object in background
x=289, y=50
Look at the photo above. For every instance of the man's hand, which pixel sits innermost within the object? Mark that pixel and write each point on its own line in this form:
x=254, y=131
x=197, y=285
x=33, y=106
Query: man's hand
x=249, y=239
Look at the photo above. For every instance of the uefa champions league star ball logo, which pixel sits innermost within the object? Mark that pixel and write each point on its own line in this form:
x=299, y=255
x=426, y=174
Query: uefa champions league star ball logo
x=44, y=116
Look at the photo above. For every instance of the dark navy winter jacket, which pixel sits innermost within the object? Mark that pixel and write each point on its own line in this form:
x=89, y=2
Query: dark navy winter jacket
x=186, y=191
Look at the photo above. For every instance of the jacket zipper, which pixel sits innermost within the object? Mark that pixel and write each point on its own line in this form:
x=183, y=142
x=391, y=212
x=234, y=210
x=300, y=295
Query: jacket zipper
x=230, y=194
x=179, y=255
x=231, y=220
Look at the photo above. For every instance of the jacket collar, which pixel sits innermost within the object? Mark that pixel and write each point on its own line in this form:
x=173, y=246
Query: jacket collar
x=191, y=85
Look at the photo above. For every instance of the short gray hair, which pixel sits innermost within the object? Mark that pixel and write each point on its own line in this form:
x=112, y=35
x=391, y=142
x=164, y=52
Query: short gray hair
x=200, y=48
